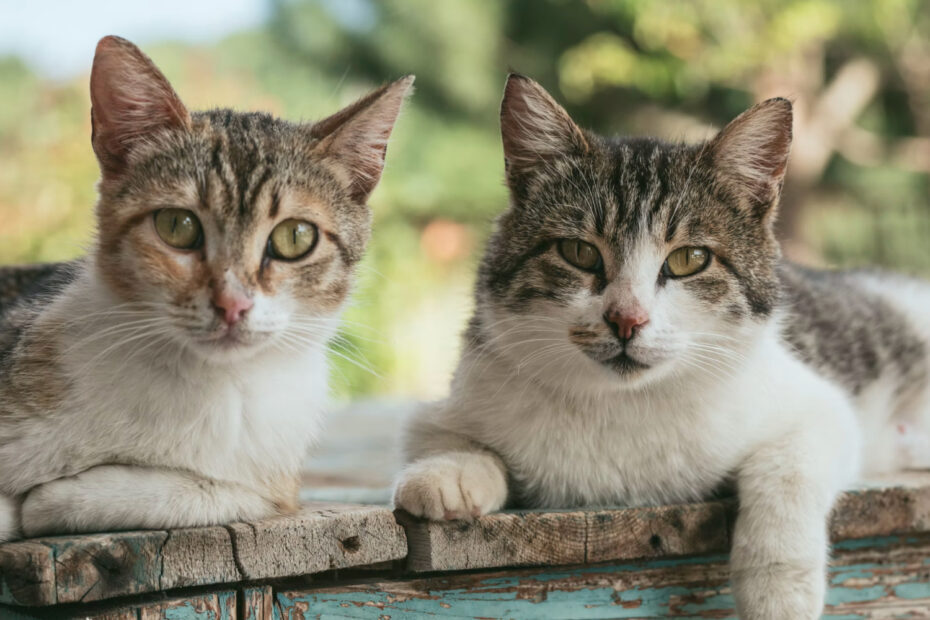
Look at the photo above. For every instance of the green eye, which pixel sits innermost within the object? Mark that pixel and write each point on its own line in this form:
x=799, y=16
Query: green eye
x=291, y=239
x=179, y=228
x=685, y=262
x=580, y=254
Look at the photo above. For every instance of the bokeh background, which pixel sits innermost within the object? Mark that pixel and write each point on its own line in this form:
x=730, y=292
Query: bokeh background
x=858, y=71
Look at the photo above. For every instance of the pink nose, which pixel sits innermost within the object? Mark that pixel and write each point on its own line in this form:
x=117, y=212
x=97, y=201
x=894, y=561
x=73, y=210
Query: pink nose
x=625, y=323
x=231, y=307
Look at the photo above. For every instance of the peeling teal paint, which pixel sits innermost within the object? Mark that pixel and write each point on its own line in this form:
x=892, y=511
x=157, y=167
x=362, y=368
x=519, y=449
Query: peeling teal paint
x=912, y=590
x=499, y=596
x=840, y=595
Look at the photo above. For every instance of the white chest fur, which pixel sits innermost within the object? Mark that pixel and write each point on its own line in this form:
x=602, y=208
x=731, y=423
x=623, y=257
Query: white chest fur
x=252, y=420
x=634, y=446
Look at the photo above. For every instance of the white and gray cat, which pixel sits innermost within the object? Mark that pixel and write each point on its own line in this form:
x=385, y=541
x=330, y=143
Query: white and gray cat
x=176, y=376
x=638, y=340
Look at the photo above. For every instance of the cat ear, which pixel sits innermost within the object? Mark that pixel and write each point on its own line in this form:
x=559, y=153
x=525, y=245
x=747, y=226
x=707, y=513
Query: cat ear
x=535, y=128
x=130, y=101
x=751, y=153
x=356, y=137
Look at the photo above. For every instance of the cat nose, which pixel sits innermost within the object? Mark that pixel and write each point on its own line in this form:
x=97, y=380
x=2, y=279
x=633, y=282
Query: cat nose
x=231, y=307
x=624, y=323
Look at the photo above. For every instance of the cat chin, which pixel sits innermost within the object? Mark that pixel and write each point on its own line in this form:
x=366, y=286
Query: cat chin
x=228, y=350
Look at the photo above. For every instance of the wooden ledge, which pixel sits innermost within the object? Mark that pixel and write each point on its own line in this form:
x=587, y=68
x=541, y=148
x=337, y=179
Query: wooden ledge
x=880, y=507
x=327, y=536
x=321, y=537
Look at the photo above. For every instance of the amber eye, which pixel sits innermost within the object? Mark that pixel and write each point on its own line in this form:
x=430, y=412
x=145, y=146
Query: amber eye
x=580, y=254
x=179, y=228
x=685, y=262
x=291, y=239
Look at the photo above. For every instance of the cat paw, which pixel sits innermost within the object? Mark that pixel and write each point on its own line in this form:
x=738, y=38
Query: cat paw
x=452, y=486
x=46, y=508
x=9, y=519
x=776, y=592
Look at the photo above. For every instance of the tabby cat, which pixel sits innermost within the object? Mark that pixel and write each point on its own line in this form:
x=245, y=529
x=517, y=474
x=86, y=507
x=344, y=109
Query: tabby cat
x=177, y=374
x=638, y=340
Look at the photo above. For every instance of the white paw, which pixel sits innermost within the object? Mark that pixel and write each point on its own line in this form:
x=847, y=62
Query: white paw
x=46, y=508
x=9, y=519
x=457, y=485
x=778, y=592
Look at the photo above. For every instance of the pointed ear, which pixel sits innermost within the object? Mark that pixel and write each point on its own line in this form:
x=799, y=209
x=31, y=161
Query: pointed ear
x=356, y=137
x=130, y=101
x=751, y=153
x=534, y=128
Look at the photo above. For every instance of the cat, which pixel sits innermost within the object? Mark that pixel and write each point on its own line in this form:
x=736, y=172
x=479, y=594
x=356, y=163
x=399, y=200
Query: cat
x=637, y=339
x=176, y=375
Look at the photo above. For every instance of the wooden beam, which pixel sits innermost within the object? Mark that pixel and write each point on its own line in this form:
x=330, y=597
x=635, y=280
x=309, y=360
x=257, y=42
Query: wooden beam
x=72, y=569
x=889, y=506
x=871, y=578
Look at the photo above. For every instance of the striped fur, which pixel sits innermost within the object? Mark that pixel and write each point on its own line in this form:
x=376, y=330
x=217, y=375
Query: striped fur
x=785, y=381
x=127, y=399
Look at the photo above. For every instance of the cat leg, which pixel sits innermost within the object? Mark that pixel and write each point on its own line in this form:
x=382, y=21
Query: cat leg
x=780, y=544
x=119, y=497
x=9, y=518
x=451, y=477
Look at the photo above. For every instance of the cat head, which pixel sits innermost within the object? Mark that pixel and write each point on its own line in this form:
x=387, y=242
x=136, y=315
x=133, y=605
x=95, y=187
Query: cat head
x=229, y=231
x=622, y=261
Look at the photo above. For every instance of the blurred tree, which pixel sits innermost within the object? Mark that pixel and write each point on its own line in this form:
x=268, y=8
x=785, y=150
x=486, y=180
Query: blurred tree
x=858, y=188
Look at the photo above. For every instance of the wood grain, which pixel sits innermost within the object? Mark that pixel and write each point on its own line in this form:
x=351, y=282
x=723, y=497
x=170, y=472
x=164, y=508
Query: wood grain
x=72, y=569
x=873, y=578
x=889, y=506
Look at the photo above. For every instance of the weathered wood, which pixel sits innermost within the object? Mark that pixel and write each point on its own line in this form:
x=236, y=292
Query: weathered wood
x=212, y=606
x=257, y=603
x=319, y=538
x=519, y=538
x=554, y=538
x=99, y=566
x=70, y=569
x=875, y=578
x=27, y=575
x=897, y=504
x=657, y=532
x=197, y=556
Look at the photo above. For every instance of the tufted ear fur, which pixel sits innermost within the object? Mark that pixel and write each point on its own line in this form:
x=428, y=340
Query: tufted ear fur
x=534, y=128
x=131, y=100
x=750, y=154
x=356, y=137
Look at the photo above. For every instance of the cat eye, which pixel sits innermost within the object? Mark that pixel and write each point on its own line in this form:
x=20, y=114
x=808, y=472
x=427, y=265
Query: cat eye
x=685, y=261
x=580, y=254
x=179, y=228
x=292, y=239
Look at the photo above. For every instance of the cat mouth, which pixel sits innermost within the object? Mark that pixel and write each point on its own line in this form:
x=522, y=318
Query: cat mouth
x=623, y=363
x=230, y=338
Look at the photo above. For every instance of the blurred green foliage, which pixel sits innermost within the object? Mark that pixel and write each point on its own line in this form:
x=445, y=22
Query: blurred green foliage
x=859, y=73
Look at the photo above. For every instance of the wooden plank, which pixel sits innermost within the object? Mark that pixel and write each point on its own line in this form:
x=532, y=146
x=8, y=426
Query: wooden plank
x=520, y=539
x=257, y=603
x=99, y=566
x=898, y=504
x=71, y=569
x=321, y=537
x=27, y=575
x=197, y=556
x=534, y=538
x=874, y=578
x=212, y=606
x=658, y=532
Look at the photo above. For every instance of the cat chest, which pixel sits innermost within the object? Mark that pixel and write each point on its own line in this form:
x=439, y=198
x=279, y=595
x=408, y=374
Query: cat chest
x=216, y=426
x=572, y=462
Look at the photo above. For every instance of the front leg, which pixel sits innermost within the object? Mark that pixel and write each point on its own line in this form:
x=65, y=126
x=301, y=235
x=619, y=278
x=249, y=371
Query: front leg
x=449, y=476
x=9, y=518
x=120, y=497
x=780, y=543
